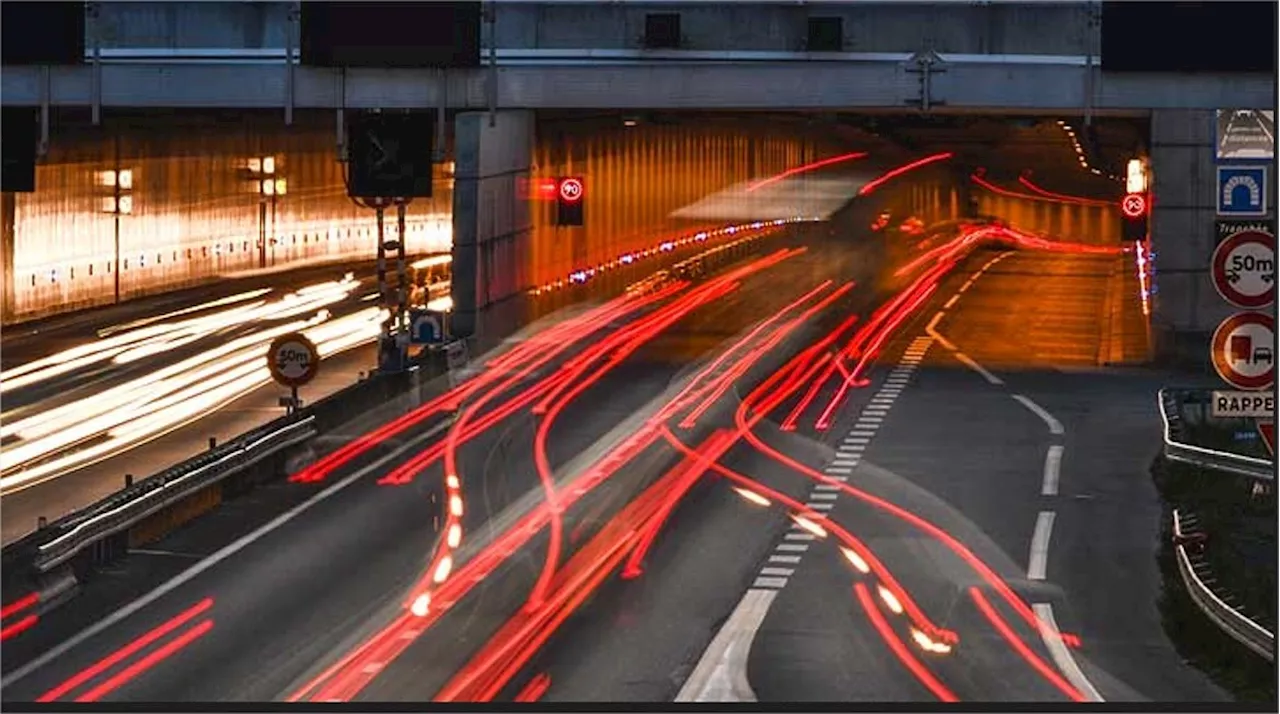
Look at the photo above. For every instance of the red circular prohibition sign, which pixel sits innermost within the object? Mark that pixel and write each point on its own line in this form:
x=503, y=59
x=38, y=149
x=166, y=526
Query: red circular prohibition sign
x=1220, y=351
x=1133, y=205
x=1219, y=270
x=571, y=190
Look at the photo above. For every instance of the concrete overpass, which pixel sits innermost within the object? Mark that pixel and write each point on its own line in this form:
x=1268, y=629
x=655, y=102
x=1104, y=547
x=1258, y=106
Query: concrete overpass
x=551, y=58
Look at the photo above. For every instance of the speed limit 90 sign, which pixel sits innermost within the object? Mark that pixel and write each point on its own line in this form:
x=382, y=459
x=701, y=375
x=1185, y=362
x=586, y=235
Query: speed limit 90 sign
x=293, y=360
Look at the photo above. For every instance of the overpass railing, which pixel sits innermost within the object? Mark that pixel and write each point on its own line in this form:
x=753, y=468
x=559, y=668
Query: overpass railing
x=1191, y=565
x=1178, y=448
x=570, y=57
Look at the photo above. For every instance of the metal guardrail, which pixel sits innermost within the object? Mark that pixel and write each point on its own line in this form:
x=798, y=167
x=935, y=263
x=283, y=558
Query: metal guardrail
x=63, y=539
x=1229, y=619
x=1177, y=449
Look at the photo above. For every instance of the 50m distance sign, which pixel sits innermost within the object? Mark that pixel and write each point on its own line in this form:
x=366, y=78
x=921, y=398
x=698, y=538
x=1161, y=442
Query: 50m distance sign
x=293, y=360
x=1244, y=269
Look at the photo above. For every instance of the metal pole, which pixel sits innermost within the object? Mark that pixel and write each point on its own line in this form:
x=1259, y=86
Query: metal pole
x=293, y=401
x=115, y=271
x=262, y=227
x=402, y=309
x=288, y=63
x=382, y=272
x=271, y=234
x=95, y=75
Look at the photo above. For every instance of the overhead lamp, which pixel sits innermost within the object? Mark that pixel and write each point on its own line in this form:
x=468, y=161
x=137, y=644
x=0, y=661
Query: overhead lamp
x=1135, y=176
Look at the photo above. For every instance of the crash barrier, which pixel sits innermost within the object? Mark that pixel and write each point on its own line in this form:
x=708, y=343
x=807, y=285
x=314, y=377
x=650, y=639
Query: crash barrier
x=52, y=560
x=1177, y=448
x=1194, y=570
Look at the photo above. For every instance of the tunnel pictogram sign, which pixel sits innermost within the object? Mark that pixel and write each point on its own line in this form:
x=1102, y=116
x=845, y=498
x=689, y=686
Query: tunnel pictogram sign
x=1134, y=205
x=1244, y=269
x=1243, y=350
x=1242, y=190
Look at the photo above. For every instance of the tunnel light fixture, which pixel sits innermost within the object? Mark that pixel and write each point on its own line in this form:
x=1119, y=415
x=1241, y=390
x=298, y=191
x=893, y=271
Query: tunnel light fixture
x=116, y=179
x=268, y=165
x=282, y=187
x=1135, y=180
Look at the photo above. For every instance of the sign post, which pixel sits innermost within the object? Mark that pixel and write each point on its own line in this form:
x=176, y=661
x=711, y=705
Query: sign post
x=293, y=361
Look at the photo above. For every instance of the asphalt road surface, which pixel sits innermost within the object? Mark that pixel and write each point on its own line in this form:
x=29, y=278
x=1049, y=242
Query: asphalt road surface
x=797, y=540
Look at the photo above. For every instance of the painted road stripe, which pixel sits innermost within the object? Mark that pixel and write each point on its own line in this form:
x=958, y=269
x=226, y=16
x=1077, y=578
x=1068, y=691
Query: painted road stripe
x=838, y=470
x=1052, y=467
x=827, y=487
x=971, y=364
x=1061, y=655
x=770, y=582
x=820, y=506
x=777, y=572
x=721, y=672
x=859, y=440
x=1039, y=561
x=845, y=462
x=799, y=534
x=822, y=496
x=793, y=547
x=860, y=433
x=1055, y=426
x=789, y=559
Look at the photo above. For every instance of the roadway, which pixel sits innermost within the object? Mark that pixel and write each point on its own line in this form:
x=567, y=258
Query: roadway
x=798, y=586
x=184, y=327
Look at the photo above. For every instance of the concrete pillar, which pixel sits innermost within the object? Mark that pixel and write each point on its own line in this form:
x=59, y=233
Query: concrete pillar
x=9, y=204
x=1185, y=307
x=492, y=228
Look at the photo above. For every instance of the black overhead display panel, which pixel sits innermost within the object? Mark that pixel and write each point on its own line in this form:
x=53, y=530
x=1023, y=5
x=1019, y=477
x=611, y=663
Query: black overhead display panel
x=391, y=34
x=1215, y=36
x=41, y=33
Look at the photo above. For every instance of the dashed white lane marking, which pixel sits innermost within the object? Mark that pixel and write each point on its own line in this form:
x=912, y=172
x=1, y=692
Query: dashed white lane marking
x=861, y=433
x=1038, y=563
x=1055, y=426
x=826, y=487
x=769, y=582
x=973, y=365
x=777, y=572
x=227, y=551
x=800, y=535
x=818, y=495
x=1052, y=468
x=1061, y=655
x=820, y=506
x=789, y=559
x=721, y=672
x=839, y=471
x=951, y=302
x=792, y=547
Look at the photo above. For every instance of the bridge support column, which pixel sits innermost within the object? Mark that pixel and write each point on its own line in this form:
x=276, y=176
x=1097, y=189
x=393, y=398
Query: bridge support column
x=492, y=228
x=1185, y=306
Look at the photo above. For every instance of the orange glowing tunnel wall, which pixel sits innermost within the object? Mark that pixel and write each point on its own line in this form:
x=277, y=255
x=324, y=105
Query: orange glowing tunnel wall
x=195, y=209
x=636, y=176
x=1096, y=225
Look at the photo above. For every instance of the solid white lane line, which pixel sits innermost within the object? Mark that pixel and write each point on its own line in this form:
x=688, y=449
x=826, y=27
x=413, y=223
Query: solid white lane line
x=971, y=364
x=1055, y=426
x=1052, y=468
x=227, y=551
x=721, y=672
x=1038, y=564
x=1061, y=655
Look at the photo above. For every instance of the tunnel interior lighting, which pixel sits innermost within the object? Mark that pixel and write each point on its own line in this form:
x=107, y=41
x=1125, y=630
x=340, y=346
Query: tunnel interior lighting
x=125, y=179
x=282, y=187
x=1135, y=180
x=268, y=164
x=268, y=187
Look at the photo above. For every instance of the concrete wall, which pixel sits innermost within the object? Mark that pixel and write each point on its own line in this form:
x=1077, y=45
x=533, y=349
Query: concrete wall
x=1076, y=223
x=493, y=261
x=974, y=27
x=635, y=177
x=1186, y=308
x=195, y=209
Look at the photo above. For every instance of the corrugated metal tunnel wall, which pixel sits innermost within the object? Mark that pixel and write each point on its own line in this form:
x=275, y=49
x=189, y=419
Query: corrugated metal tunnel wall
x=195, y=209
x=635, y=177
x=1095, y=225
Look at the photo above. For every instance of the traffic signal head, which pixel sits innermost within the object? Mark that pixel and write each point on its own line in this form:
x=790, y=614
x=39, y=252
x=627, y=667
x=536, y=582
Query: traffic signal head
x=569, y=195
